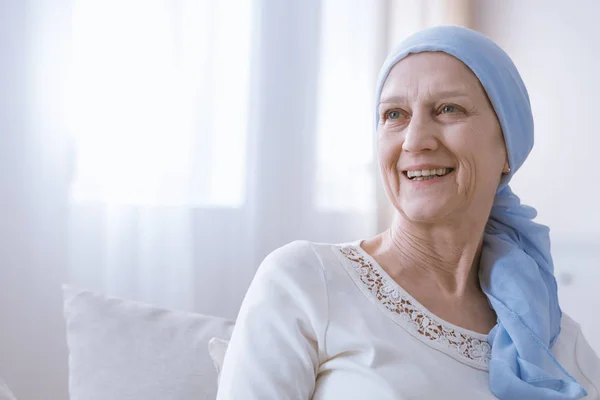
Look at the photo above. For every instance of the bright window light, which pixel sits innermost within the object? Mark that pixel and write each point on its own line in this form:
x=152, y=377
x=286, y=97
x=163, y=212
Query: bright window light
x=345, y=120
x=158, y=105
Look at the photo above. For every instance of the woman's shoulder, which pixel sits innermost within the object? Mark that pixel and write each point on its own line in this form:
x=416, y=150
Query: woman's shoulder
x=301, y=252
x=575, y=354
x=293, y=258
x=569, y=327
x=570, y=331
x=302, y=257
x=564, y=345
x=296, y=254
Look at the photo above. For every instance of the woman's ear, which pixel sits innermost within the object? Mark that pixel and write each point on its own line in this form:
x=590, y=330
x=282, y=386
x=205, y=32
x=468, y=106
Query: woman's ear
x=506, y=169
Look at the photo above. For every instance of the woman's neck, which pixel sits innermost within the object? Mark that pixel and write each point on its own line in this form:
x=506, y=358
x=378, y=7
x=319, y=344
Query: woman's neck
x=439, y=267
x=444, y=258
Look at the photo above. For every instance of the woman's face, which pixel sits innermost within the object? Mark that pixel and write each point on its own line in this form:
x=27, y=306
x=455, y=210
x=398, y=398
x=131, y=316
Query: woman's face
x=441, y=150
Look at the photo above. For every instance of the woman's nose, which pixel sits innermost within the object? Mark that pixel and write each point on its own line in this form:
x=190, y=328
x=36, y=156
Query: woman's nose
x=420, y=135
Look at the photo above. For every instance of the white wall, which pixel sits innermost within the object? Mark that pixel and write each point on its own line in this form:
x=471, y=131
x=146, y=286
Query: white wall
x=555, y=47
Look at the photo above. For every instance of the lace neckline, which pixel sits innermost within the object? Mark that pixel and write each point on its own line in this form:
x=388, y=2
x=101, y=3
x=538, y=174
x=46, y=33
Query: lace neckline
x=467, y=346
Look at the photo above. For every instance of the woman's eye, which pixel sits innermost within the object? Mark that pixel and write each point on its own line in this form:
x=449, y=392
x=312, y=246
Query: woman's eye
x=394, y=114
x=449, y=108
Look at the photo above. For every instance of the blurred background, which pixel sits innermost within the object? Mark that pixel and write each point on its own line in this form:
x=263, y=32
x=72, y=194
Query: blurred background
x=157, y=150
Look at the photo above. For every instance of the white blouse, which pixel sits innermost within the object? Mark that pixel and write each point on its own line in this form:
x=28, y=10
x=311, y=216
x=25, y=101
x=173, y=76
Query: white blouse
x=324, y=321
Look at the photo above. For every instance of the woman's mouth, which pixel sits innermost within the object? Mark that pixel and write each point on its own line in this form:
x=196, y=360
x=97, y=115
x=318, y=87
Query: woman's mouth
x=427, y=174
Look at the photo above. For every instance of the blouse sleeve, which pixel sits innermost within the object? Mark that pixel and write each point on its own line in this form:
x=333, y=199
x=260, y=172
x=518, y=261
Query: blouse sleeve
x=277, y=343
x=589, y=366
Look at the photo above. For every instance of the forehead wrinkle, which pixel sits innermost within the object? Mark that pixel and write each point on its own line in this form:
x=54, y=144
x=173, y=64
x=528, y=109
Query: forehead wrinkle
x=428, y=93
x=419, y=78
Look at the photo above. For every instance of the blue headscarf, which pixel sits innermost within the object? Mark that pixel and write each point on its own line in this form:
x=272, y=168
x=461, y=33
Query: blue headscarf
x=516, y=270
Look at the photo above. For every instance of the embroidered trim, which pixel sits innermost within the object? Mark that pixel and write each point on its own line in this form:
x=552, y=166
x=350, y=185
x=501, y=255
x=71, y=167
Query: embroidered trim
x=417, y=319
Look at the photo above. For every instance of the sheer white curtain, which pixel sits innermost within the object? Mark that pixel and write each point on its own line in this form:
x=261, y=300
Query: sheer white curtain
x=158, y=108
x=205, y=137
x=33, y=197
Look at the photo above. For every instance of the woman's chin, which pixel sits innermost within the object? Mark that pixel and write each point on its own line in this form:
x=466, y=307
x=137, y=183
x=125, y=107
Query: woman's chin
x=426, y=214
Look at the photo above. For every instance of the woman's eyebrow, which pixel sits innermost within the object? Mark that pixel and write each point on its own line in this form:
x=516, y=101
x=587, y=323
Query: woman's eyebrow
x=458, y=92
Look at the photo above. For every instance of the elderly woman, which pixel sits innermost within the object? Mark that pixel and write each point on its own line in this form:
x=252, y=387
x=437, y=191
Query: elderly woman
x=457, y=299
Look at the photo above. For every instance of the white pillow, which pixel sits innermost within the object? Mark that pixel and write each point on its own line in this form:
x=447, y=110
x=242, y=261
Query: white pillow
x=217, y=348
x=120, y=349
x=5, y=393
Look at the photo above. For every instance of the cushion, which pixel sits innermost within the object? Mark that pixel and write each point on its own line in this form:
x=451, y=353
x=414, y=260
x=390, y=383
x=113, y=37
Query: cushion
x=5, y=393
x=121, y=349
x=217, y=348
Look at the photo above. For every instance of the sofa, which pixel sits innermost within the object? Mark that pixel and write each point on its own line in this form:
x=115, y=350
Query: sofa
x=126, y=350
x=5, y=393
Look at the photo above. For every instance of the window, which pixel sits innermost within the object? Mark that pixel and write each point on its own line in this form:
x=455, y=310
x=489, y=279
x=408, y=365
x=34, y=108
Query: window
x=158, y=104
x=345, y=121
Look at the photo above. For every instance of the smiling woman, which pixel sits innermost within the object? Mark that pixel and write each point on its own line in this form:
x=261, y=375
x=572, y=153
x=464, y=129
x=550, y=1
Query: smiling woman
x=453, y=152
x=457, y=299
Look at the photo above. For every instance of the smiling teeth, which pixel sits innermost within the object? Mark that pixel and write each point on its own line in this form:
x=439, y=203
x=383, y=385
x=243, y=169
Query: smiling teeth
x=419, y=175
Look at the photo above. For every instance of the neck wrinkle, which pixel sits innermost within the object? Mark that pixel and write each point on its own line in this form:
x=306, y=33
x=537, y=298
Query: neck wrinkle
x=447, y=255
